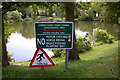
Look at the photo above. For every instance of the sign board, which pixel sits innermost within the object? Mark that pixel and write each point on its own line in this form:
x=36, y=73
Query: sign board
x=41, y=59
x=54, y=35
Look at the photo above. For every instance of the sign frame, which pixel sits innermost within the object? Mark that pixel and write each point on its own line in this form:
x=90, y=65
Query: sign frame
x=58, y=23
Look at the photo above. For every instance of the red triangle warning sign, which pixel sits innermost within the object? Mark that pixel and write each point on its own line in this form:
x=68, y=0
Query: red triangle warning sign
x=41, y=59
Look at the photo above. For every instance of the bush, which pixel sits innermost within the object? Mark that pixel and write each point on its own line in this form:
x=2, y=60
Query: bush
x=97, y=44
x=102, y=36
x=83, y=44
x=57, y=19
x=28, y=19
x=8, y=16
x=39, y=17
x=15, y=15
x=42, y=13
x=21, y=20
x=58, y=52
x=9, y=56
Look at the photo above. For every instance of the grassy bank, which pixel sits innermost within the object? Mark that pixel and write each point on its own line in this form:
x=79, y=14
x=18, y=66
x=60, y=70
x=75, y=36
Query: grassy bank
x=99, y=62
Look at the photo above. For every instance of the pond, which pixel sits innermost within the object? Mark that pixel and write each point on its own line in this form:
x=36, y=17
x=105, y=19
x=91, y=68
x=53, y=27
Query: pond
x=22, y=44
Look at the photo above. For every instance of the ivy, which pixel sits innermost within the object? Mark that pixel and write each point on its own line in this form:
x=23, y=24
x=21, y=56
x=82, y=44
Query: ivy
x=8, y=30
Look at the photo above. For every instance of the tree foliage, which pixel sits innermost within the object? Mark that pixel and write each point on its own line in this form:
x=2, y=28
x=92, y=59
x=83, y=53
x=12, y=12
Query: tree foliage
x=86, y=14
x=97, y=6
x=83, y=11
x=111, y=11
x=29, y=11
x=14, y=15
x=8, y=31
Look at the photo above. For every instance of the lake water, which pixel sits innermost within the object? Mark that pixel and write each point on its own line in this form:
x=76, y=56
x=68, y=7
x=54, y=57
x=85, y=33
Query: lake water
x=22, y=44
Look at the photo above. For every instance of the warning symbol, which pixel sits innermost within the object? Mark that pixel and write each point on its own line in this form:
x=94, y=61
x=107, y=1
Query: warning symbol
x=41, y=59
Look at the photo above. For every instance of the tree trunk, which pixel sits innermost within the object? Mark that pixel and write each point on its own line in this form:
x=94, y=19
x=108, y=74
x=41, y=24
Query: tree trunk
x=5, y=60
x=73, y=53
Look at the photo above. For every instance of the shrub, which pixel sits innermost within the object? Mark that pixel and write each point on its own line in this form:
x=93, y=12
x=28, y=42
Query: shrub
x=21, y=20
x=15, y=15
x=9, y=56
x=42, y=13
x=58, y=52
x=83, y=44
x=28, y=19
x=102, y=36
x=97, y=44
x=39, y=17
x=8, y=15
x=57, y=19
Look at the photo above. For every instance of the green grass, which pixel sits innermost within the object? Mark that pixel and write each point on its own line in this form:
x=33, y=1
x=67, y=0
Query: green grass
x=106, y=50
x=99, y=62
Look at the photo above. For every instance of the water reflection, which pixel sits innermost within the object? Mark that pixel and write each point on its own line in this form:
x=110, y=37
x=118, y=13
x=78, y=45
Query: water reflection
x=21, y=47
x=22, y=42
x=26, y=29
x=88, y=26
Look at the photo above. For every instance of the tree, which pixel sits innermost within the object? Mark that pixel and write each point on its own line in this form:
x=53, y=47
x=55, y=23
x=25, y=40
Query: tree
x=29, y=11
x=7, y=31
x=73, y=54
x=6, y=7
x=111, y=11
x=69, y=8
x=59, y=10
x=97, y=6
x=9, y=6
x=5, y=61
x=35, y=9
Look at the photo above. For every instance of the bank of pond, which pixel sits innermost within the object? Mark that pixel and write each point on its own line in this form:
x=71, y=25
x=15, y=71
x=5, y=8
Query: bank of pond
x=99, y=62
x=24, y=35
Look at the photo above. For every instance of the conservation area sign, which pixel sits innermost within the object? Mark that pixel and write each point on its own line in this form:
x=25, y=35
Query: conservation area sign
x=54, y=35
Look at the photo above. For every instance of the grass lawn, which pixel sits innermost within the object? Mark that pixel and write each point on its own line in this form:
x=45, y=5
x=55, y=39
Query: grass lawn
x=99, y=62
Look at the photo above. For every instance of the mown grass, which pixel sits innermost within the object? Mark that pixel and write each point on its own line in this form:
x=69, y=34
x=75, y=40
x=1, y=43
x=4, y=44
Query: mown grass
x=99, y=62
